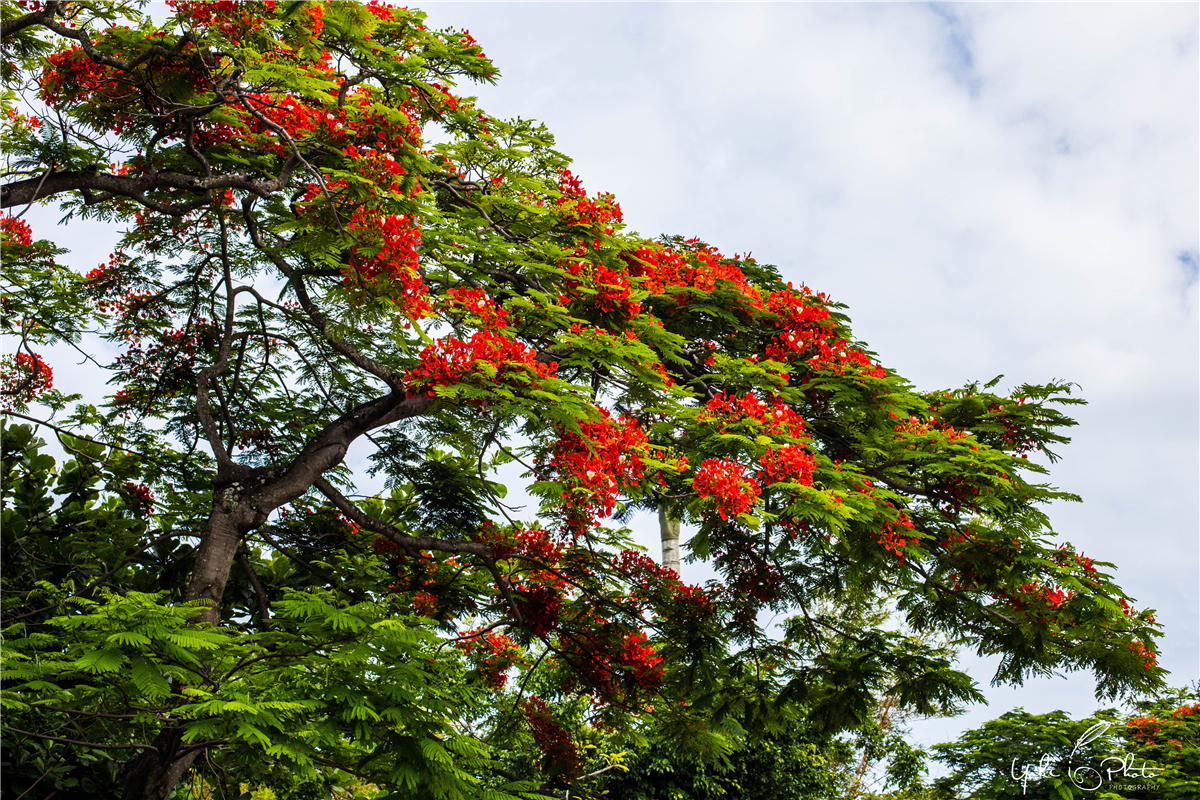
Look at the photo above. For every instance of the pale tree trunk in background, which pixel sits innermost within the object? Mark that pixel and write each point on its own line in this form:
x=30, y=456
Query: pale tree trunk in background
x=668, y=526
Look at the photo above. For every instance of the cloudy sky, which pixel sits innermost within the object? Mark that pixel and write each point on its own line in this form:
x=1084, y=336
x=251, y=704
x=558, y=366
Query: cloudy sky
x=990, y=188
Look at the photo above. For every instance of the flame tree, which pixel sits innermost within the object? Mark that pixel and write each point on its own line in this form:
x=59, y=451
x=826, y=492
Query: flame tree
x=327, y=245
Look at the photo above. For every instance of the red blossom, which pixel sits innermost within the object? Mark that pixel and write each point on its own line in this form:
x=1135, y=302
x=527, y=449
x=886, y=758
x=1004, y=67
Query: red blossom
x=576, y=208
x=559, y=756
x=493, y=654
x=140, y=498
x=892, y=535
x=476, y=303
x=789, y=464
x=22, y=378
x=540, y=602
x=229, y=17
x=611, y=660
x=516, y=541
x=394, y=240
x=775, y=418
x=597, y=463
x=727, y=483
x=488, y=358
x=808, y=335
x=14, y=230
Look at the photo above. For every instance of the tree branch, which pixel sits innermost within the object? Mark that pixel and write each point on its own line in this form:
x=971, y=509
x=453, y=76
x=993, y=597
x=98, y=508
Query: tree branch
x=11, y=26
x=78, y=743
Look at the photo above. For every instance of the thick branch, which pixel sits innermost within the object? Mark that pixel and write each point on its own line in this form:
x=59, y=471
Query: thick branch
x=415, y=544
x=33, y=189
x=327, y=449
x=904, y=488
x=79, y=743
x=412, y=544
x=11, y=26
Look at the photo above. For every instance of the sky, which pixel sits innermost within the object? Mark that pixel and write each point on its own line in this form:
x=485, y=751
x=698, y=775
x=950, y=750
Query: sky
x=992, y=189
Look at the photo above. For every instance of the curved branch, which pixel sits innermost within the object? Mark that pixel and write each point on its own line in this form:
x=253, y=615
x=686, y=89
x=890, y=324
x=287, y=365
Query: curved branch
x=356, y=356
x=411, y=544
x=497, y=227
x=899, y=486
x=11, y=26
x=225, y=462
x=78, y=743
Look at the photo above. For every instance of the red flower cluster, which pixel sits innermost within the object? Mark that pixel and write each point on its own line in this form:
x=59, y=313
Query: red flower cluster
x=893, y=539
x=652, y=585
x=316, y=18
x=140, y=498
x=559, y=756
x=468, y=43
x=14, y=230
x=227, y=16
x=776, y=418
x=27, y=121
x=914, y=427
x=726, y=481
x=611, y=660
x=425, y=604
x=380, y=10
x=301, y=118
x=642, y=570
x=487, y=358
x=789, y=464
x=658, y=268
x=113, y=99
x=395, y=239
x=1035, y=601
x=690, y=605
x=755, y=578
x=661, y=268
x=1145, y=729
x=493, y=654
x=641, y=661
x=540, y=603
x=807, y=333
x=613, y=291
x=599, y=462
x=478, y=304
x=576, y=208
x=71, y=76
x=22, y=378
x=380, y=166
x=1139, y=649
x=515, y=541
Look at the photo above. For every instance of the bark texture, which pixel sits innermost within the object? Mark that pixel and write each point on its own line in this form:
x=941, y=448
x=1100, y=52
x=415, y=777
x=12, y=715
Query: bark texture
x=668, y=526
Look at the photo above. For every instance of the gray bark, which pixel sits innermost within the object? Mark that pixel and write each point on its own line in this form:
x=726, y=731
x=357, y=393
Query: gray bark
x=668, y=526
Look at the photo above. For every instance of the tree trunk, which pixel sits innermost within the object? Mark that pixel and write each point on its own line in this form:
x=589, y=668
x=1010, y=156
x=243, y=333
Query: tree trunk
x=218, y=545
x=154, y=776
x=668, y=527
x=242, y=502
